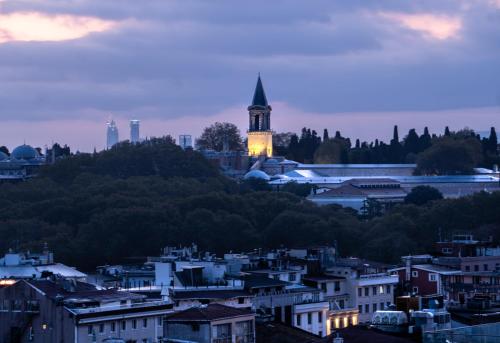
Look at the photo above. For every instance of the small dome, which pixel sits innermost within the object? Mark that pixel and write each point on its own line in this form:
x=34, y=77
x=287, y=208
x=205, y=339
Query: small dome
x=257, y=174
x=24, y=152
x=3, y=156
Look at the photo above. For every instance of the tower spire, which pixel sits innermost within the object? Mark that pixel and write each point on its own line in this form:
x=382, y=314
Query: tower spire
x=259, y=96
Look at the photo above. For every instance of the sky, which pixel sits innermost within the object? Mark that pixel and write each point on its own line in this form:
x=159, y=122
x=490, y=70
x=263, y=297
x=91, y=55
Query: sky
x=68, y=66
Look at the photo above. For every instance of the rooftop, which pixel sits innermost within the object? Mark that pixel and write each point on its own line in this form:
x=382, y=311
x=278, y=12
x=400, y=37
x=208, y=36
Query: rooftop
x=208, y=313
x=209, y=294
x=80, y=291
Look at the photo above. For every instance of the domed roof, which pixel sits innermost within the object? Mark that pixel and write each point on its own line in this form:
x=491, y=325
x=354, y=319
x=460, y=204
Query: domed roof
x=24, y=152
x=3, y=156
x=257, y=174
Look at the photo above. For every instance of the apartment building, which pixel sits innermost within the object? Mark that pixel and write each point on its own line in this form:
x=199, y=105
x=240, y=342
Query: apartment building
x=63, y=310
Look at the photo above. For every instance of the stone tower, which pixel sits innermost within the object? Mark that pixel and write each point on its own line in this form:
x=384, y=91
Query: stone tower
x=260, y=136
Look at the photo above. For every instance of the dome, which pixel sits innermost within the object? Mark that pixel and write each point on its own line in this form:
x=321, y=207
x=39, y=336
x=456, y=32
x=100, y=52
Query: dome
x=24, y=152
x=257, y=174
x=3, y=156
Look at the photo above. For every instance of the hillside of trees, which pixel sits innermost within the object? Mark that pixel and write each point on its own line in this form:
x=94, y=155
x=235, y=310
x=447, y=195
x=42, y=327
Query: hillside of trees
x=133, y=200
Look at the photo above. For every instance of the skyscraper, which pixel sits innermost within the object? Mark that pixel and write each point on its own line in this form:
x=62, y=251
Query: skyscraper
x=134, y=131
x=111, y=134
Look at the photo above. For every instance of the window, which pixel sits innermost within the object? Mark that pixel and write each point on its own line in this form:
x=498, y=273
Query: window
x=320, y=333
x=415, y=290
x=309, y=318
x=382, y=306
x=388, y=289
x=324, y=287
x=90, y=329
x=145, y=323
x=337, y=286
x=485, y=267
x=101, y=328
x=320, y=317
x=341, y=303
x=221, y=331
x=4, y=305
x=360, y=308
x=467, y=268
x=381, y=289
x=298, y=320
x=476, y=268
x=292, y=277
x=374, y=290
x=367, y=308
x=276, y=277
x=414, y=273
x=134, y=324
x=374, y=306
x=124, y=325
x=160, y=321
x=446, y=250
x=241, y=300
x=432, y=277
x=113, y=327
x=367, y=291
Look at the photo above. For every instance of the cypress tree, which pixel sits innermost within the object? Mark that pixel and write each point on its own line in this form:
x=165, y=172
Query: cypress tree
x=325, y=135
x=395, y=136
x=493, y=141
x=447, y=131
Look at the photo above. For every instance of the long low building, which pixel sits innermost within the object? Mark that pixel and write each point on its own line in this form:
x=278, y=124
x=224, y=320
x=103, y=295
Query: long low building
x=351, y=185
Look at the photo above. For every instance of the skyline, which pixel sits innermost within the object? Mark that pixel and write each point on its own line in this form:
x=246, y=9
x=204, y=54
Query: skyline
x=179, y=66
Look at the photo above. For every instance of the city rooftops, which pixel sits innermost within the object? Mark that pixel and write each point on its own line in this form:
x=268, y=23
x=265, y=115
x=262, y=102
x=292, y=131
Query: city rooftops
x=211, y=312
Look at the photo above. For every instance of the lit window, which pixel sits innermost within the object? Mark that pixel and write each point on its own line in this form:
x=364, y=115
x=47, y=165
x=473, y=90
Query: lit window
x=381, y=289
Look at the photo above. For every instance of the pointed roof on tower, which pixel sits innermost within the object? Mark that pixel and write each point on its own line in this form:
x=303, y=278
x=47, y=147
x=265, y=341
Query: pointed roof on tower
x=259, y=97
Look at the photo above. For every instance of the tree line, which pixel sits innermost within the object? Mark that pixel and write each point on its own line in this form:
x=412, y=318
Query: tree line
x=133, y=200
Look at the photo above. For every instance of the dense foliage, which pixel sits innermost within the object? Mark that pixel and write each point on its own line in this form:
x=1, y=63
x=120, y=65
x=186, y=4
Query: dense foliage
x=134, y=199
x=220, y=136
x=450, y=153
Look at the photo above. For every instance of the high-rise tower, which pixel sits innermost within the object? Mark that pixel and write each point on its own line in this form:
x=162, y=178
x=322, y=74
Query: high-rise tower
x=260, y=136
x=111, y=134
x=134, y=131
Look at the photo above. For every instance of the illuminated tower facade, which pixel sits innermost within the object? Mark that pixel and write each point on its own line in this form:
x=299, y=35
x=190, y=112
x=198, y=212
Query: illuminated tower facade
x=260, y=136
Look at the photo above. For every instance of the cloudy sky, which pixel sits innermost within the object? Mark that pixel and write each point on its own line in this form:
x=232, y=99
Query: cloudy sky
x=67, y=66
